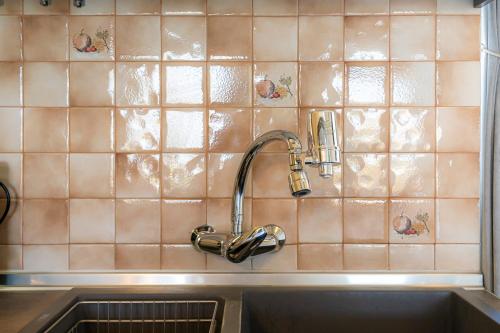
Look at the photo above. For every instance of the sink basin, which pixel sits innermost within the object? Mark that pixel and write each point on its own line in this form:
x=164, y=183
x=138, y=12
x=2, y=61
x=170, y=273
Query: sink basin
x=339, y=311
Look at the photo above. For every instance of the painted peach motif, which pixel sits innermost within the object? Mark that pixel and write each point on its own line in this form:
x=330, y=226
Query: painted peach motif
x=269, y=90
x=82, y=42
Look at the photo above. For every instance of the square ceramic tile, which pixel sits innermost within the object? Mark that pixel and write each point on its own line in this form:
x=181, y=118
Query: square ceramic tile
x=411, y=221
x=229, y=38
x=11, y=257
x=230, y=84
x=11, y=127
x=457, y=221
x=137, y=175
x=365, y=221
x=138, y=221
x=320, y=214
x=137, y=256
x=366, y=7
x=283, y=48
x=320, y=257
x=40, y=167
x=367, y=83
x=413, y=83
x=11, y=173
x=101, y=7
x=45, y=222
x=268, y=119
x=412, y=38
x=45, y=38
x=184, y=175
x=220, y=264
x=412, y=175
x=222, y=170
x=184, y=38
x=56, y=7
x=413, y=129
x=411, y=7
x=269, y=211
x=411, y=258
x=366, y=38
x=366, y=257
x=11, y=232
x=184, y=7
x=458, y=83
x=456, y=7
x=137, y=84
x=321, y=7
x=92, y=175
x=321, y=38
x=138, y=130
x=282, y=261
x=92, y=38
x=275, y=8
x=182, y=257
x=457, y=175
x=229, y=130
x=223, y=7
x=92, y=130
x=458, y=129
x=183, y=130
x=275, y=84
x=11, y=7
x=458, y=258
x=45, y=258
x=38, y=91
x=46, y=130
x=11, y=93
x=179, y=218
x=366, y=175
x=92, y=84
x=91, y=257
x=321, y=84
x=219, y=214
x=138, y=38
x=92, y=221
x=133, y=7
x=183, y=84
x=10, y=38
x=458, y=38
x=270, y=174
x=366, y=130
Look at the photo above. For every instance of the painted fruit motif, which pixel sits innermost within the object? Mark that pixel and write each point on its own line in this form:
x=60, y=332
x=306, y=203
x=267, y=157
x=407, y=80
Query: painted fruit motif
x=401, y=224
x=265, y=88
x=82, y=41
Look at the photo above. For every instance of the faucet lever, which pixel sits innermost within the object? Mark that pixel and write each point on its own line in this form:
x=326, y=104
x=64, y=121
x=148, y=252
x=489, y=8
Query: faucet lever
x=241, y=247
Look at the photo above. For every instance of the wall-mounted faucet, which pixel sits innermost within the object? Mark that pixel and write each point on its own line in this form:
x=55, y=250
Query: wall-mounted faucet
x=323, y=153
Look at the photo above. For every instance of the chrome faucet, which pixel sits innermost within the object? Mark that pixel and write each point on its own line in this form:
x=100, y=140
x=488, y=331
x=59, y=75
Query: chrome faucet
x=324, y=153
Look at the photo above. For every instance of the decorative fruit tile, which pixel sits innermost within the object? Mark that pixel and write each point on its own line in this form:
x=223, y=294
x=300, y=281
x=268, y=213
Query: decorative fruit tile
x=275, y=84
x=411, y=221
x=92, y=38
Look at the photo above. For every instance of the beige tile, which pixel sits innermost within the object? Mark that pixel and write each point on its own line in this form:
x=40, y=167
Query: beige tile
x=268, y=119
x=92, y=175
x=222, y=170
x=11, y=93
x=11, y=127
x=223, y=7
x=275, y=84
x=270, y=176
x=182, y=257
x=321, y=84
x=179, y=218
x=229, y=38
x=457, y=175
x=366, y=175
x=92, y=38
x=367, y=83
x=272, y=49
x=11, y=230
x=10, y=38
x=46, y=130
x=137, y=175
x=321, y=38
x=366, y=130
x=45, y=222
x=138, y=38
x=131, y=7
x=219, y=212
x=282, y=212
x=458, y=83
x=45, y=258
x=11, y=257
x=274, y=8
x=321, y=7
x=92, y=221
x=138, y=130
x=365, y=221
x=137, y=84
x=412, y=37
x=39, y=91
x=183, y=130
x=184, y=38
x=45, y=38
x=183, y=7
x=282, y=261
x=411, y=257
x=11, y=7
x=56, y=7
x=183, y=84
x=229, y=130
x=92, y=84
x=320, y=257
x=413, y=129
x=412, y=175
x=411, y=7
x=411, y=221
x=230, y=84
x=91, y=130
x=11, y=173
x=329, y=187
x=91, y=257
x=456, y=7
x=457, y=221
x=102, y=7
x=184, y=175
x=38, y=168
x=220, y=264
x=413, y=83
x=458, y=129
x=366, y=256
x=320, y=221
x=137, y=256
x=138, y=221
x=362, y=7
x=458, y=258
x=366, y=38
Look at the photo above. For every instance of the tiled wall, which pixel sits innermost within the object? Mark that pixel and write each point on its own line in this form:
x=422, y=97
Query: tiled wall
x=122, y=125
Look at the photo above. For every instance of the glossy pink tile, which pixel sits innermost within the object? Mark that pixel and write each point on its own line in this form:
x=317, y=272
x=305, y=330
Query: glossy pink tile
x=92, y=130
x=456, y=175
x=182, y=257
x=92, y=221
x=45, y=222
x=457, y=221
x=10, y=38
x=366, y=130
x=274, y=8
x=229, y=130
x=91, y=257
x=138, y=38
x=179, y=218
x=366, y=7
x=411, y=258
x=458, y=258
x=137, y=257
x=413, y=83
x=184, y=38
x=321, y=38
x=458, y=129
x=283, y=48
x=40, y=167
x=183, y=7
x=365, y=221
x=137, y=175
x=412, y=175
x=132, y=7
x=138, y=130
x=45, y=258
x=219, y=214
x=412, y=38
x=413, y=129
x=282, y=212
x=230, y=84
x=410, y=7
x=184, y=175
x=411, y=221
x=321, y=84
x=268, y=119
x=456, y=7
x=45, y=38
x=46, y=130
x=38, y=91
x=11, y=93
x=366, y=175
x=366, y=257
x=220, y=264
x=367, y=83
x=11, y=126
x=138, y=221
x=92, y=84
x=366, y=38
x=320, y=214
x=92, y=175
x=270, y=174
x=183, y=84
x=222, y=170
x=321, y=7
x=137, y=84
x=282, y=261
x=458, y=83
x=92, y=38
x=229, y=38
x=184, y=130
x=223, y=7
x=320, y=257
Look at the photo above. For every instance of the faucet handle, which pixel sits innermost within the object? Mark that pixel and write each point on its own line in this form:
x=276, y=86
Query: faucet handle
x=241, y=247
